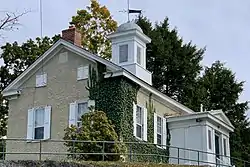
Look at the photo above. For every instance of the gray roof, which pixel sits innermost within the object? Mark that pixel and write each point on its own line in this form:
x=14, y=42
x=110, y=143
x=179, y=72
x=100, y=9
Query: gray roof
x=129, y=26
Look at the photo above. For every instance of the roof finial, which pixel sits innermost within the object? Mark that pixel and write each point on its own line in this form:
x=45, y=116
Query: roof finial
x=129, y=11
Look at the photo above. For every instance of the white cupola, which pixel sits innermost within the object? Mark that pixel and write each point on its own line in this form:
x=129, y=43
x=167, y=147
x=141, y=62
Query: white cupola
x=129, y=50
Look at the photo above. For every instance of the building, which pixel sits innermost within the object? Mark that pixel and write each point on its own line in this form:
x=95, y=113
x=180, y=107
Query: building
x=51, y=95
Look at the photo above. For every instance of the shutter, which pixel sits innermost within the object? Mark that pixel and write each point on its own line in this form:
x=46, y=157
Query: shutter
x=80, y=73
x=155, y=128
x=72, y=114
x=30, y=124
x=134, y=118
x=145, y=124
x=91, y=103
x=164, y=134
x=85, y=72
x=44, y=76
x=47, y=122
x=39, y=80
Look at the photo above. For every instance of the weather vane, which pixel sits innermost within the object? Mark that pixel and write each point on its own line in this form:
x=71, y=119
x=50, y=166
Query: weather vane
x=129, y=11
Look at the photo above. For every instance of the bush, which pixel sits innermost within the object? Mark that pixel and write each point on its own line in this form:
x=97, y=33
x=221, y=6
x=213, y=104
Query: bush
x=95, y=127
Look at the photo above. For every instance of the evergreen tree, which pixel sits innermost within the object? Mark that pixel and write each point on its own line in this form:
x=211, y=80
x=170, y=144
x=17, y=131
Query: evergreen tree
x=16, y=59
x=174, y=64
x=218, y=88
x=176, y=70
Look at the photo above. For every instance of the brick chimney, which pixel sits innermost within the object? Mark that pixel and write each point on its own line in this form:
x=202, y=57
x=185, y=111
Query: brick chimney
x=72, y=35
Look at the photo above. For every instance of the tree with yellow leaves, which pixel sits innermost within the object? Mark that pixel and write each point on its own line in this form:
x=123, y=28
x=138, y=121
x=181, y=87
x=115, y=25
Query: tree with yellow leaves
x=95, y=23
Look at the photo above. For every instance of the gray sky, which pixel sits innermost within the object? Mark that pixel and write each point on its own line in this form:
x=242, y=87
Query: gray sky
x=222, y=26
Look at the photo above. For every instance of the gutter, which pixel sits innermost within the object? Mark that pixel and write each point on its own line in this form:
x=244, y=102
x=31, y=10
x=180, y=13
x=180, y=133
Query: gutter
x=11, y=93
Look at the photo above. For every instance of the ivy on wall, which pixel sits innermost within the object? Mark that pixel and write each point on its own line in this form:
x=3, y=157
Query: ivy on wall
x=115, y=96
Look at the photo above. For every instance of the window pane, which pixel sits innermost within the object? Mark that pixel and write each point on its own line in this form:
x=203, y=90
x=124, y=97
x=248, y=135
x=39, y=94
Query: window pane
x=139, y=131
x=39, y=133
x=159, y=139
x=139, y=115
x=159, y=125
x=209, y=139
x=82, y=109
x=39, y=117
x=123, y=53
x=138, y=55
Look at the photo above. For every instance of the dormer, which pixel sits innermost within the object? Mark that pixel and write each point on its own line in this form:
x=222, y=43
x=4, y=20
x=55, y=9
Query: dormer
x=129, y=50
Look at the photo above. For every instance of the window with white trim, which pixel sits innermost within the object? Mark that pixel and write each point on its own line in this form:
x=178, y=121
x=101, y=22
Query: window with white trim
x=159, y=130
x=139, y=54
x=139, y=122
x=210, y=139
x=38, y=123
x=77, y=109
x=123, y=53
x=82, y=108
x=41, y=80
x=82, y=72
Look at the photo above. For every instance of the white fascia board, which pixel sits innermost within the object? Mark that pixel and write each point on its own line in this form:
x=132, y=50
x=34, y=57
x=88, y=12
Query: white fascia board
x=78, y=50
x=11, y=93
x=150, y=89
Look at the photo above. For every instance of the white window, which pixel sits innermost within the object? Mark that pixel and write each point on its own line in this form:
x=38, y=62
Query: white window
x=82, y=108
x=210, y=139
x=82, y=72
x=76, y=110
x=41, y=80
x=140, y=122
x=160, y=131
x=123, y=53
x=139, y=55
x=39, y=123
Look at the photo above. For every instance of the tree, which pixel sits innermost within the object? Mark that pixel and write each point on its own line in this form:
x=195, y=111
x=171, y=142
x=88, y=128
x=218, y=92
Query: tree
x=16, y=59
x=174, y=64
x=175, y=68
x=95, y=127
x=10, y=20
x=95, y=23
x=218, y=88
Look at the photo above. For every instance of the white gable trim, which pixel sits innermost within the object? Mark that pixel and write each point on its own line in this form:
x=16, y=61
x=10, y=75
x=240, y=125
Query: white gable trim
x=200, y=115
x=150, y=89
x=9, y=91
x=222, y=114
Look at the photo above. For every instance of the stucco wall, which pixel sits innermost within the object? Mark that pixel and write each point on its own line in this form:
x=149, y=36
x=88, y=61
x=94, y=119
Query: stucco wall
x=160, y=108
x=62, y=88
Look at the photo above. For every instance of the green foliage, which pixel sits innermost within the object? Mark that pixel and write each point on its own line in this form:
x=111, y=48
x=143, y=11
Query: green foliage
x=174, y=64
x=177, y=67
x=116, y=96
x=95, y=23
x=16, y=59
x=219, y=89
x=83, y=164
x=95, y=127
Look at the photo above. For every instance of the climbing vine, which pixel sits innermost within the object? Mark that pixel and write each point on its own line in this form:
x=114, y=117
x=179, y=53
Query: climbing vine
x=115, y=96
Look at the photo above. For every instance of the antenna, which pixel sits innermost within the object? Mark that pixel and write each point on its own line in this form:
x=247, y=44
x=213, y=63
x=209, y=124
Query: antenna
x=129, y=11
x=41, y=18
